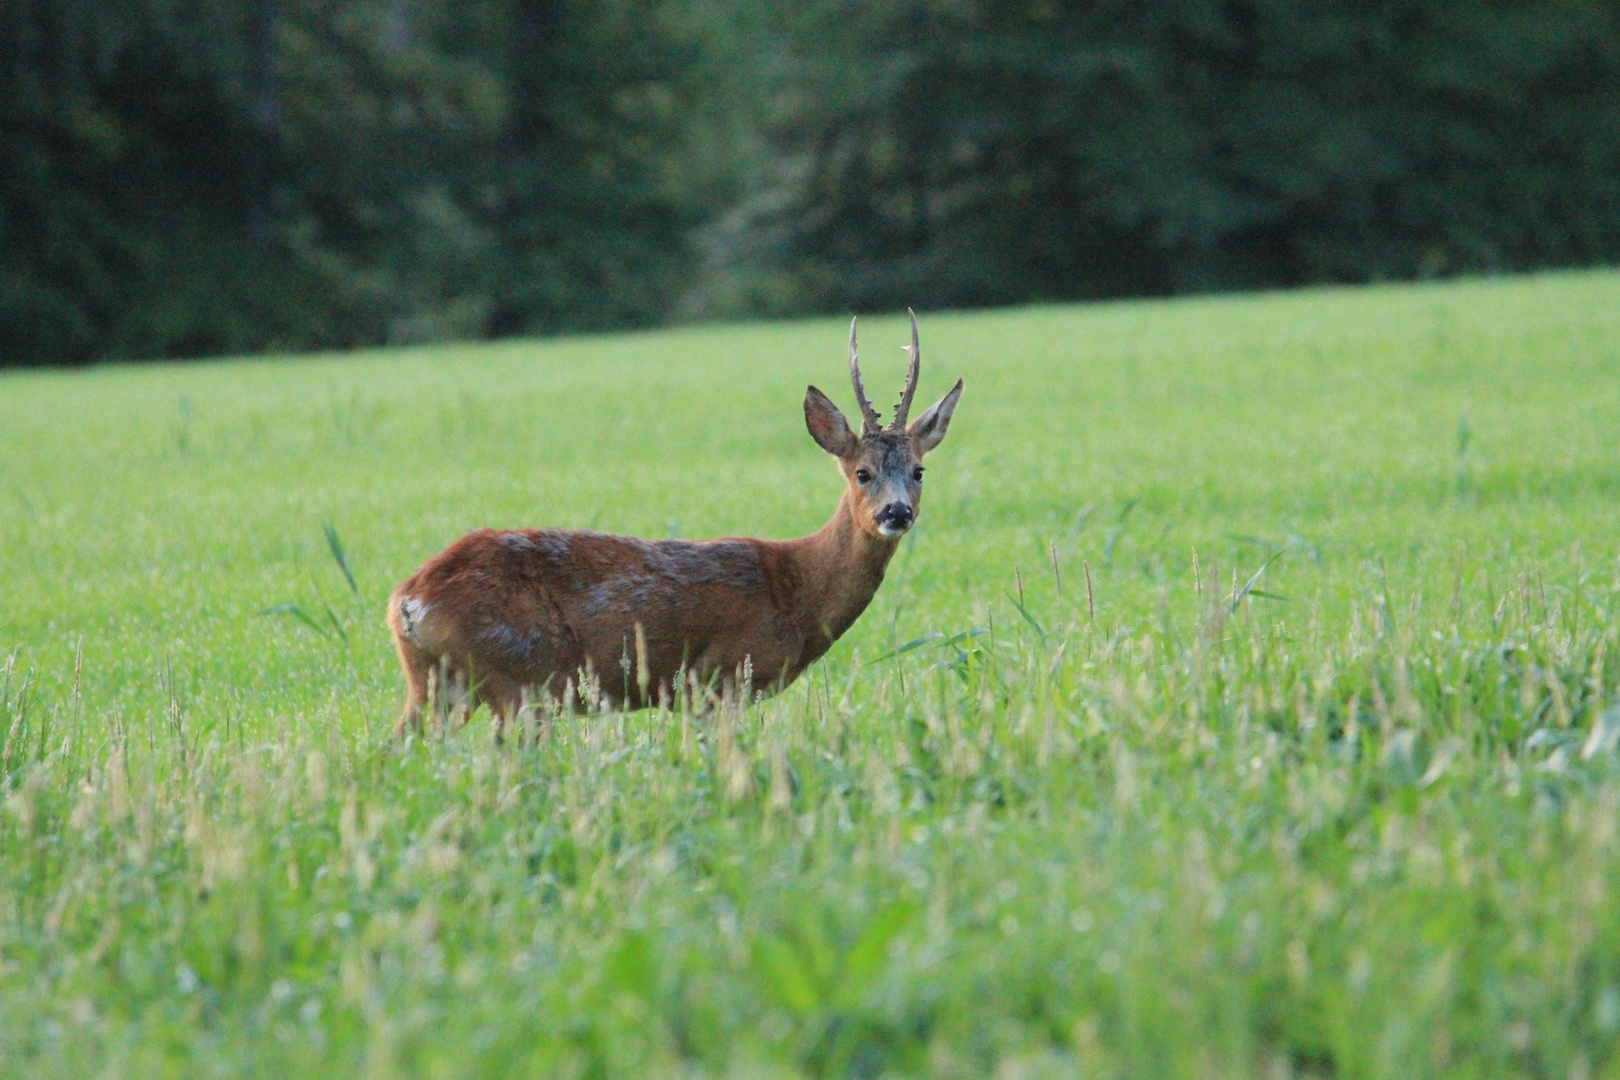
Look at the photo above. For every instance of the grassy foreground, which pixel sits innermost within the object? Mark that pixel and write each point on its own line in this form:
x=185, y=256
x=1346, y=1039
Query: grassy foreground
x=1356, y=816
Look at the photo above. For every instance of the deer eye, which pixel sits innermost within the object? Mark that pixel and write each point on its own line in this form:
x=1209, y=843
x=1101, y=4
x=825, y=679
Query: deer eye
x=863, y=476
x=916, y=474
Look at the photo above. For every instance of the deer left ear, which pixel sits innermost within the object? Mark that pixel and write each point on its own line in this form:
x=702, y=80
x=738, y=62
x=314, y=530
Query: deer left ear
x=928, y=430
x=827, y=425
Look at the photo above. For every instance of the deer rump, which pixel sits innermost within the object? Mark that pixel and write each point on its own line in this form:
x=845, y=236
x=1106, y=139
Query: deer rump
x=505, y=616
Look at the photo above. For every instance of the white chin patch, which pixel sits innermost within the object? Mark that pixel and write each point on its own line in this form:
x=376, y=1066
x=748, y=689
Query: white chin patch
x=888, y=529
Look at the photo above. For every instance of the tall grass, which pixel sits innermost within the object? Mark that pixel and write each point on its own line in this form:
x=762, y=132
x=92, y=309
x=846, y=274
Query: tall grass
x=1265, y=757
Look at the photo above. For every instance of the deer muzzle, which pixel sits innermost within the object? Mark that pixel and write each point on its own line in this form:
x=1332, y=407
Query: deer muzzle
x=895, y=518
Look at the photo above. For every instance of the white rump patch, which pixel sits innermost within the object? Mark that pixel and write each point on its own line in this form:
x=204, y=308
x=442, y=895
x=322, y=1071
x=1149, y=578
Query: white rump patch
x=411, y=613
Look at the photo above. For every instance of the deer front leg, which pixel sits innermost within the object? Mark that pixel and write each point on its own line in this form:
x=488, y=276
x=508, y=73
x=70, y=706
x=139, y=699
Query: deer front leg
x=506, y=699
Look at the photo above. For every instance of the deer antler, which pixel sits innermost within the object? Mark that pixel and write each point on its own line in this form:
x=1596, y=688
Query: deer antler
x=901, y=410
x=870, y=421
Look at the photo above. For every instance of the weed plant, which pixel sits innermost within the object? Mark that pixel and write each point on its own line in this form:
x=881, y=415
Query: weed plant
x=1244, y=705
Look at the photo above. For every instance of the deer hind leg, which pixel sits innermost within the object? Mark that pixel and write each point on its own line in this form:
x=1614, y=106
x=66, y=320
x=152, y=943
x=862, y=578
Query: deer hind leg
x=437, y=694
x=418, y=667
x=454, y=696
x=438, y=689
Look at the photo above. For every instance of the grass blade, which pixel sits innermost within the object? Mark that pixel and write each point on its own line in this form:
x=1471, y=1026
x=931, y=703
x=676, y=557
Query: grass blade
x=1248, y=588
x=298, y=613
x=936, y=638
x=926, y=639
x=333, y=619
x=1027, y=616
x=336, y=547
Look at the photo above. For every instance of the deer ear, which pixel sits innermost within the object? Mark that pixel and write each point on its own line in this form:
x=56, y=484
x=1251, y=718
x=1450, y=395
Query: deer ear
x=928, y=430
x=827, y=425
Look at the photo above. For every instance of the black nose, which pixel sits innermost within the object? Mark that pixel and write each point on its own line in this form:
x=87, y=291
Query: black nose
x=896, y=514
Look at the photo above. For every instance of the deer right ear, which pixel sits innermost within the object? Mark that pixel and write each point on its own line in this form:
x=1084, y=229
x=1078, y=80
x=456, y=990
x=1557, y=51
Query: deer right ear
x=929, y=429
x=827, y=425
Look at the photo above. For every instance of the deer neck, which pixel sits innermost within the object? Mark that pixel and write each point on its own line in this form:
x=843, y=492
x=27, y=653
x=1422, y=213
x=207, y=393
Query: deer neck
x=839, y=569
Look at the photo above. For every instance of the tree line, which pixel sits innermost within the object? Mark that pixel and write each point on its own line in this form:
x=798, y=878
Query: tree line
x=197, y=177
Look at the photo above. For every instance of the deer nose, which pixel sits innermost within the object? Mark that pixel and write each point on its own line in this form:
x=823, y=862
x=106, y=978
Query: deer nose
x=896, y=515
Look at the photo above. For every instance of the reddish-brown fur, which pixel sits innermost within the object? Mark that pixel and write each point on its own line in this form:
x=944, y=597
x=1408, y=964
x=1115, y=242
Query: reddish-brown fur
x=508, y=616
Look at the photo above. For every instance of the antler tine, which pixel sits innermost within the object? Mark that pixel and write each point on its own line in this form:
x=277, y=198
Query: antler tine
x=904, y=408
x=869, y=417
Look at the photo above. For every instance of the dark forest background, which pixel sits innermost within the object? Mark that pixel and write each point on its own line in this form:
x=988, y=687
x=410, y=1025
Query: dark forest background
x=196, y=177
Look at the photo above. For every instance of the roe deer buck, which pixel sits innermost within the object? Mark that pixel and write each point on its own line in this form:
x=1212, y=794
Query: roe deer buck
x=505, y=616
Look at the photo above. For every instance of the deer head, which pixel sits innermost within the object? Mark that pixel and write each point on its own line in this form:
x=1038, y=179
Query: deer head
x=882, y=465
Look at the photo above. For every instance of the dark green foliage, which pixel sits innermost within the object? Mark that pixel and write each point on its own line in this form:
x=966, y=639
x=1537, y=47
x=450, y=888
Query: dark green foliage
x=948, y=154
x=184, y=178
x=188, y=177
x=124, y=153
x=598, y=196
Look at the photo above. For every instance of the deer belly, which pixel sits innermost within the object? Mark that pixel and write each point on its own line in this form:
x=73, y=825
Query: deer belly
x=765, y=652
x=674, y=648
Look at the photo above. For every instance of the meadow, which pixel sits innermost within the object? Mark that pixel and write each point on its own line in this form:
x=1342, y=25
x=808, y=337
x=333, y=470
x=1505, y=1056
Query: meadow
x=1242, y=706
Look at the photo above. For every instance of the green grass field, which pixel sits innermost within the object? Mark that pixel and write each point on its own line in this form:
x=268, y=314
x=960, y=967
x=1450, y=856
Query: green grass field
x=1360, y=820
